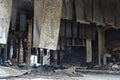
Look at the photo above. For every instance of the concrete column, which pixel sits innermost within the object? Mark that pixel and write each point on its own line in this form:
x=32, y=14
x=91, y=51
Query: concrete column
x=100, y=45
x=88, y=50
x=29, y=41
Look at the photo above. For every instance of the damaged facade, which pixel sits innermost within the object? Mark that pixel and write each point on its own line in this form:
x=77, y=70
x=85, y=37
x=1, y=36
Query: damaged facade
x=59, y=32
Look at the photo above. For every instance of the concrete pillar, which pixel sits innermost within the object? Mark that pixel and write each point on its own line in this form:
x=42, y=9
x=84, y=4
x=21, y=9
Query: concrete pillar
x=88, y=50
x=29, y=41
x=100, y=45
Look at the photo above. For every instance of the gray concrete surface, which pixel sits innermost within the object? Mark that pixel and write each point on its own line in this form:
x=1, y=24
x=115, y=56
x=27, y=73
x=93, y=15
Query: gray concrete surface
x=85, y=77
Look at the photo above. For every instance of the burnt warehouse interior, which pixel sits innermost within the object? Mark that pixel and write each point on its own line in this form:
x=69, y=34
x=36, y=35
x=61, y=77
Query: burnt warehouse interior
x=64, y=33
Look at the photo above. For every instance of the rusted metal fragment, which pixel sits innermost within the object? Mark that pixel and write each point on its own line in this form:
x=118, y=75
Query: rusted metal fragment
x=50, y=24
x=67, y=9
x=5, y=15
x=98, y=12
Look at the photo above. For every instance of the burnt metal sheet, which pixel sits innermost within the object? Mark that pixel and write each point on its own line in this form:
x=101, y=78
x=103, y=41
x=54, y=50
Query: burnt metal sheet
x=50, y=24
x=5, y=16
x=98, y=12
x=67, y=9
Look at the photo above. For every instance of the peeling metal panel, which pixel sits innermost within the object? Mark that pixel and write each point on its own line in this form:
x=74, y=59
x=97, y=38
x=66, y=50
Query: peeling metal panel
x=5, y=16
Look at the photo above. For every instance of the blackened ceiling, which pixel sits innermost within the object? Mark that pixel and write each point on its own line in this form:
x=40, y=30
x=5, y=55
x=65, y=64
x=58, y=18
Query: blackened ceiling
x=102, y=12
x=24, y=5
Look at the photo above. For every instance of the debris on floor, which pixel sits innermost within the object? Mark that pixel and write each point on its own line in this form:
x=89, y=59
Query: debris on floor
x=11, y=72
x=70, y=70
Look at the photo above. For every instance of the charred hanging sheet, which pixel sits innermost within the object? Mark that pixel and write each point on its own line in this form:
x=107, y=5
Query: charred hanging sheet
x=88, y=10
x=82, y=31
x=90, y=31
x=62, y=28
x=117, y=15
x=75, y=29
x=67, y=9
x=23, y=21
x=80, y=12
x=87, y=31
x=68, y=28
x=50, y=24
x=98, y=12
x=38, y=16
x=14, y=18
x=5, y=16
x=109, y=11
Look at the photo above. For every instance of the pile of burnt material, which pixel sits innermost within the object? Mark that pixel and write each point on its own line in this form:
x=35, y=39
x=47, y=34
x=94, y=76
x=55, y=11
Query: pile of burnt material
x=54, y=71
